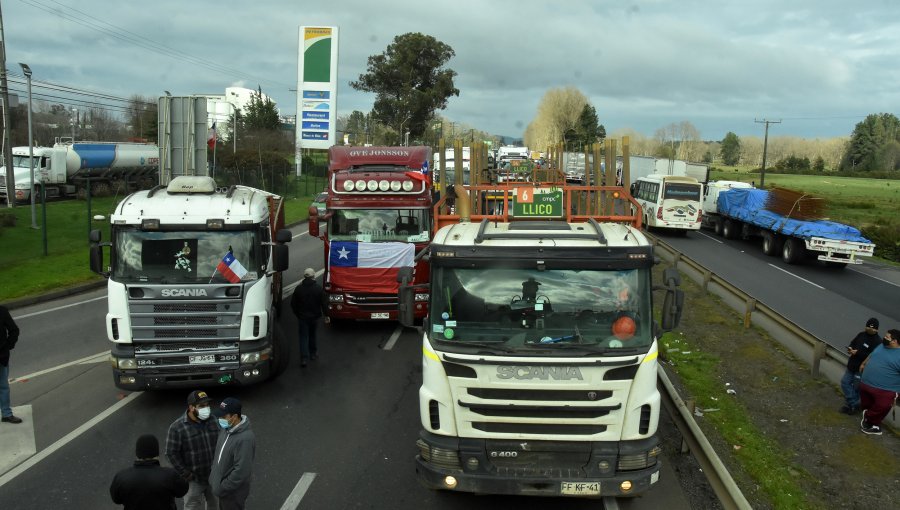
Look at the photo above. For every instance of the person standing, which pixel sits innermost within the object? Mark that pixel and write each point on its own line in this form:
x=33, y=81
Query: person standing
x=233, y=458
x=859, y=349
x=9, y=335
x=880, y=382
x=146, y=485
x=190, y=445
x=308, y=304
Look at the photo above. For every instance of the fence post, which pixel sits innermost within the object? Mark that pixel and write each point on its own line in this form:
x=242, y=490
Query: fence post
x=707, y=277
x=818, y=354
x=751, y=305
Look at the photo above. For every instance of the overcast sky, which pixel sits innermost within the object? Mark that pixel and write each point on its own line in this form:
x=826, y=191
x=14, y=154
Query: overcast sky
x=819, y=66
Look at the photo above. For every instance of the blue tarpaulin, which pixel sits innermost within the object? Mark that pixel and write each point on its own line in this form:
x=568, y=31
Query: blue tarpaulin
x=747, y=205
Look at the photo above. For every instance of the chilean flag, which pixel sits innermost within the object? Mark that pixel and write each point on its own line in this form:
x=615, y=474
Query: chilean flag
x=368, y=267
x=231, y=269
x=211, y=137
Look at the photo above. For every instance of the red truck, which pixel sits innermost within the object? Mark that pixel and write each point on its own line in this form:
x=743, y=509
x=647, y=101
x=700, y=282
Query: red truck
x=377, y=219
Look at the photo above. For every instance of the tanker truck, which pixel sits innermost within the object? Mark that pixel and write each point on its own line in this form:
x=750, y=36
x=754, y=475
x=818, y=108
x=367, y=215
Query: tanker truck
x=67, y=168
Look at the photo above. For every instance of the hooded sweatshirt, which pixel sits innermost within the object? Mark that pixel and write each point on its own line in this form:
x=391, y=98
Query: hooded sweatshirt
x=233, y=459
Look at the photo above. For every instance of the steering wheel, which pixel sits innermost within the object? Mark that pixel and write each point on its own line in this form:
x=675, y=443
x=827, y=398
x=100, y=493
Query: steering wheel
x=542, y=299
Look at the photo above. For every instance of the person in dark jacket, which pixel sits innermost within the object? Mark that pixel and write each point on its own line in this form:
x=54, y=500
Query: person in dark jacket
x=233, y=461
x=9, y=335
x=859, y=349
x=308, y=304
x=190, y=444
x=146, y=485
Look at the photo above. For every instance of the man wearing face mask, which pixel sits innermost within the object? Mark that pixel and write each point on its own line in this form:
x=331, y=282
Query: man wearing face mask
x=233, y=458
x=190, y=445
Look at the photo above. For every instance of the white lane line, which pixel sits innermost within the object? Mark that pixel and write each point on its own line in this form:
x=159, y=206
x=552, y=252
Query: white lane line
x=393, y=339
x=877, y=278
x=71, y=436
x=300, y=234
x=293, y=500
x=798, y=277
x=58, y=308
x=710, y=237
x=96, y=358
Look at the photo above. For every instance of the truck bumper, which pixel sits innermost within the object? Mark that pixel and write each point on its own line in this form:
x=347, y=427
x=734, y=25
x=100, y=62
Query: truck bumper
x=487, y=478
x=342, y=311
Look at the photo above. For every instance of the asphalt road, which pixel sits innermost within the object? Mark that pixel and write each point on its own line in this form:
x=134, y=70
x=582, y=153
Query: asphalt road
x=833, y=304
x=339, y=433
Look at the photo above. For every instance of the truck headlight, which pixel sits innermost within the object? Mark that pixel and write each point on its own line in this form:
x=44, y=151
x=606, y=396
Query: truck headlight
x=421, y=297
x=335, y=298
x=127, y=363
x=255, y=357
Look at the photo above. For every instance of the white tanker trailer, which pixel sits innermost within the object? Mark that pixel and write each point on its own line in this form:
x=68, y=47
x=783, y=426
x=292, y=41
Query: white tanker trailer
x=67, y=167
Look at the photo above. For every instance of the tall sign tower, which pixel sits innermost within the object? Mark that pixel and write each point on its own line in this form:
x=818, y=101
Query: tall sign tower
x=316, y=89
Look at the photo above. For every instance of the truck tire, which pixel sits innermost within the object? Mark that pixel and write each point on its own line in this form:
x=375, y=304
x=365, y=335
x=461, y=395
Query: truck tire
x=731, y=229
x=719, y=227
x=772, y=244
x=793, y=251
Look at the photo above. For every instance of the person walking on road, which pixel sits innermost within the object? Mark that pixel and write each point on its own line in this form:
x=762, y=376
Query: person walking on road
x=308, y=304
x=9, y=335
x=190, y=445
x=146, y=485
x=859, y=349
x=880, y=383
x=233, y=460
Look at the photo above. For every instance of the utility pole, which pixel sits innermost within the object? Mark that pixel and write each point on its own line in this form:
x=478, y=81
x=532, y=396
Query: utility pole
x=7, y=132
x=762, y=173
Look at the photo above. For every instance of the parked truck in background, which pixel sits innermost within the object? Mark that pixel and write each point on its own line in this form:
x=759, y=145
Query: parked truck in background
x=65, y=169
x=194, y=285
x=738, y=210
x=377, y=219
x=539, y=350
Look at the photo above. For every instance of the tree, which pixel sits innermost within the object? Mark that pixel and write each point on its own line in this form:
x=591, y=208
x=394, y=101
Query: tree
x=819, y=164
x=730, y=150
x=410, y=82
x=143, y=118
x=261, y=114
x=870, y=138
x=558, y=112
x=588, y=127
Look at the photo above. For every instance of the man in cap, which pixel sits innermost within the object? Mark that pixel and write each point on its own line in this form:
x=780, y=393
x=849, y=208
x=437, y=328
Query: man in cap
x=880, y=383
x=190, y=444
x=146, y=484
x=233, y=460
x=308, y=304
x=859, y=349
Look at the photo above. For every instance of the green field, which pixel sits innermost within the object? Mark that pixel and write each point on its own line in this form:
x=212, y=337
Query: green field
x=25, y=271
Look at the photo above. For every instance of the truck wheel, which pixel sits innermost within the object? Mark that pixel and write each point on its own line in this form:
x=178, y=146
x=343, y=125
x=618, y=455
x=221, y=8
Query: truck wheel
x=772, y=244
x=280, y=353
x=719, y=227
x=731, y=229
x=793, y=251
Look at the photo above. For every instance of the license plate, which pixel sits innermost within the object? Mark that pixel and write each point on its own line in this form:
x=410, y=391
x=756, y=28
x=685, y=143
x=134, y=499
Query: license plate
x=202, y=359
x=381, y=315
x=579, y=488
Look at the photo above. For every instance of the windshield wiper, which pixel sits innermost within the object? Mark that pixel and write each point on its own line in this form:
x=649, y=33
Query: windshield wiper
x=486, y=345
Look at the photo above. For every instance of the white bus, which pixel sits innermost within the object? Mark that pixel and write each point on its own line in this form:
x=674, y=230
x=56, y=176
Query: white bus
x=669, y=201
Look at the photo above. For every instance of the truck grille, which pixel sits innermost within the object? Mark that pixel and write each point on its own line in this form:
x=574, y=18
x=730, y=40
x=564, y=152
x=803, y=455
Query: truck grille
x=373, y=301
x=186, y=321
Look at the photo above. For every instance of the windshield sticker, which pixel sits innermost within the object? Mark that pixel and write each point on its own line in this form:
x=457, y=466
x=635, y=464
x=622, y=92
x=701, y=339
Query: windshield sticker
x=448, y=334
x=183, y=258
x=438, y=328
x=364, y=238
x=421, y=238
x=450, y=324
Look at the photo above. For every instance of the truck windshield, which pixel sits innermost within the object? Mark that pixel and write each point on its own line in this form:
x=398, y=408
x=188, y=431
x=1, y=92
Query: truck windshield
x=183, y=256
x=22, y=161
x=531, y=312
x=369, y=225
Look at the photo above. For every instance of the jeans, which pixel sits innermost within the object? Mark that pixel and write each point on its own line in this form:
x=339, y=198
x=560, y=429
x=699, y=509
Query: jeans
x=307, y=334
x=850, y=387
x=5, y=409
x=193, y=500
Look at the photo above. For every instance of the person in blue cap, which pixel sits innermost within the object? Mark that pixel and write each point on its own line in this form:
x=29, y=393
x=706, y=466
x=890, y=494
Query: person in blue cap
x=233, y=458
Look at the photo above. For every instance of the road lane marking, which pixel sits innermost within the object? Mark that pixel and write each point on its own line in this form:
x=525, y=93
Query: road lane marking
x=293, y=500
x=710, y=237
x=799, y=277
x=18, y=441
x=393, y=339
x=877, y=278
x=71, y=436
x=300, y=234
x=96, y=358
x=58, y=308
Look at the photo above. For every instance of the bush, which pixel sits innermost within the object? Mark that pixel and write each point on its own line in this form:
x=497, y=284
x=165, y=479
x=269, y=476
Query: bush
x=886, y=236
x=7, y=218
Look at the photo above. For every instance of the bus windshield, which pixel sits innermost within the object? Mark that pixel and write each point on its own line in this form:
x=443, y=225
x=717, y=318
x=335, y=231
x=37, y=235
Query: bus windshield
x=682, y=191
x=531, y=312
x=368, y=225
x=182, y=256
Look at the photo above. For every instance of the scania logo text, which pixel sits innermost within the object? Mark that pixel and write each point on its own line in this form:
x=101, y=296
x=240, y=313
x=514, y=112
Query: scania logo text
x=543, y=373
x=183, y=293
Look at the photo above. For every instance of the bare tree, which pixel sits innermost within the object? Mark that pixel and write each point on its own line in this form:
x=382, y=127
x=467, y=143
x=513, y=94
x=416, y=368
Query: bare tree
x=557, y=114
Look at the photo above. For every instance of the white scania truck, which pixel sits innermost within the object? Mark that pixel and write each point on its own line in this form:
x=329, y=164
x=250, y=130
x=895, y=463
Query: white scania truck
x=194, y=285
x=539, y=350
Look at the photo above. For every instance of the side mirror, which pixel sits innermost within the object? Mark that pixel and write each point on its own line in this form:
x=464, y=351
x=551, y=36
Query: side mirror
x=673, y=304
x=671, y=277
x=279, y=258
x=94, y=236
x=283, y=236
x=313, y=221
x=406, y=297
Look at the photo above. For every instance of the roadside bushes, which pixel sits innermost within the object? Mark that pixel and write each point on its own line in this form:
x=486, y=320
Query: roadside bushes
x=886, y=236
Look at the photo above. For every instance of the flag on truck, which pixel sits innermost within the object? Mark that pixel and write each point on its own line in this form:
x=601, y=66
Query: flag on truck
x=211, y=139
x=368, y=267
x=230, y=268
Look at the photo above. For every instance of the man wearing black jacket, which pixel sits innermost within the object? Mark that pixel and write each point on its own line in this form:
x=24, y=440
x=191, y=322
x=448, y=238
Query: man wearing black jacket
x=146, y=485
x=859, y=349
x=9, y=335
x=308, y=304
